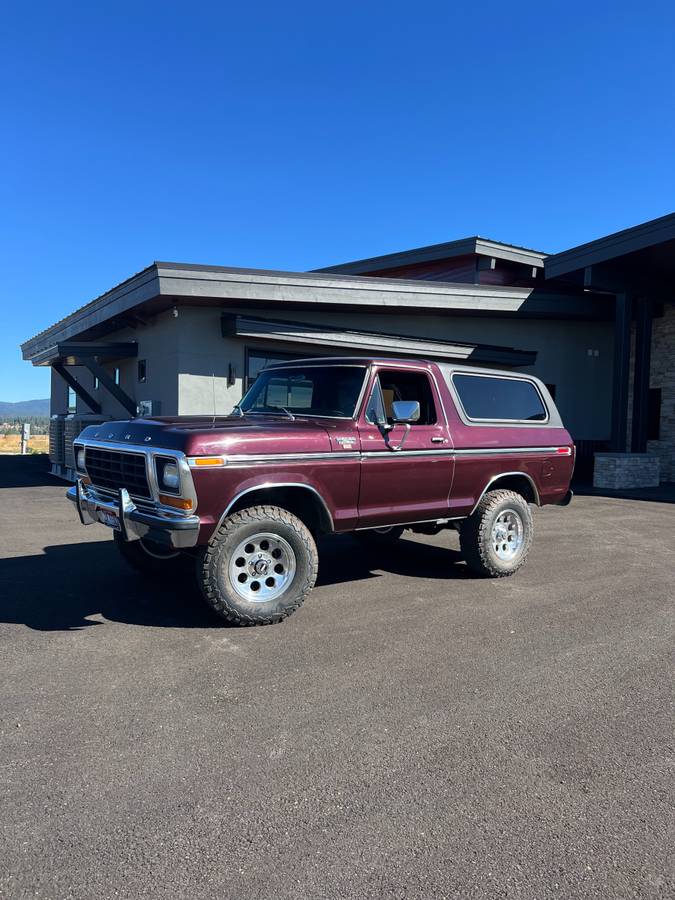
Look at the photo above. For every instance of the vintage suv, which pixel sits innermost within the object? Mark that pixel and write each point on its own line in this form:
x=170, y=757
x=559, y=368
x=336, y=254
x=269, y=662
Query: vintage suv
x=368, y=446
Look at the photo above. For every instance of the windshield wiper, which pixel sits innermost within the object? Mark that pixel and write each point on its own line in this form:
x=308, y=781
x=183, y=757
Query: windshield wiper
x=287, y=411
x=269, y=411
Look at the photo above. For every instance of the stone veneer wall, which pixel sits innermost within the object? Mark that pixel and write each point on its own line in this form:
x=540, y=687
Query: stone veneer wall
x=662, y=376
x=622, y=471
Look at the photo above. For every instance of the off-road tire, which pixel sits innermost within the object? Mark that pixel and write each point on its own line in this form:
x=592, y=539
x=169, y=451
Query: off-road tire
x=213, y=566
x=146, y=558
x=379, y=538
x=476, y=532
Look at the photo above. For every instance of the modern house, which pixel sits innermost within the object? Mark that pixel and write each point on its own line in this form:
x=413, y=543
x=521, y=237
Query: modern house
x=596, y=323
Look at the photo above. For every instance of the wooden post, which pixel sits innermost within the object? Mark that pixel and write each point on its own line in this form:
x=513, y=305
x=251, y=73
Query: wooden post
x=622, y=323
x=643, y=355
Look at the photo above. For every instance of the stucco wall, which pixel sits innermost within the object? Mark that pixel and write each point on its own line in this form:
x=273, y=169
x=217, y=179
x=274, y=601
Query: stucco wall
x=158, y=345
x=204, y=360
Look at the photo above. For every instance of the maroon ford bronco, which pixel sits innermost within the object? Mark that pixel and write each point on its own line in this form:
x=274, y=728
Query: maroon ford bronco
x=367, y=446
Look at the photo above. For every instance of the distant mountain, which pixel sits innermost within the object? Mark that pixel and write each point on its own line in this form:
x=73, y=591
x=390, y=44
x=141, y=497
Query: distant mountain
x=24, y=408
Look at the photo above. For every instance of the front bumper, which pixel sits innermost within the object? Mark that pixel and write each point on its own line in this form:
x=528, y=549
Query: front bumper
x=167, y=529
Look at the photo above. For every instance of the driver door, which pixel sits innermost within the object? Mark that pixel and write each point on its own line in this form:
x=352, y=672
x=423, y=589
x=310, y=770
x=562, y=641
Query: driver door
x=406, y=471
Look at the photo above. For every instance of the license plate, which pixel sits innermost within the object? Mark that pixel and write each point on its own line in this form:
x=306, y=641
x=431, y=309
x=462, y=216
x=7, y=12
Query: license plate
x=108, y=518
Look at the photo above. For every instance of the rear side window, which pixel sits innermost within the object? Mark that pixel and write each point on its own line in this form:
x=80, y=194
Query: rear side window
x=505, y=399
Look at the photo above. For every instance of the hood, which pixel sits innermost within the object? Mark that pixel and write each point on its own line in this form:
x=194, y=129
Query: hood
x=206, y=436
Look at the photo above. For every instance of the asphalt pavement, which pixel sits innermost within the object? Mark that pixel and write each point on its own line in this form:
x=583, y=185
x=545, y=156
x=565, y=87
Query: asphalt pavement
x=412, y=732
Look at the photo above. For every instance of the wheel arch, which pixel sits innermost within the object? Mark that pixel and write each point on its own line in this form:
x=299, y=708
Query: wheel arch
x=520, y=482
x=303, y=500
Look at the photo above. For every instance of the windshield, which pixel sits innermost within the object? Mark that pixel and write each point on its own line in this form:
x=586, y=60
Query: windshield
x=331, y=391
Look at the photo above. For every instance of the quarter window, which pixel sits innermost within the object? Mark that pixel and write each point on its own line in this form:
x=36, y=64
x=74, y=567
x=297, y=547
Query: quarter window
x=375, y=409
x=487, y=397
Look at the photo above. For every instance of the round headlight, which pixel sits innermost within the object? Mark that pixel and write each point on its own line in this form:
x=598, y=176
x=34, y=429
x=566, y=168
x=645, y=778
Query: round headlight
x=170, y=479
x=80, y=459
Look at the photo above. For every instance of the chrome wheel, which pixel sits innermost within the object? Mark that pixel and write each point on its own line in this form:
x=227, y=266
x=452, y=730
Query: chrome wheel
x=507, y=534
x=262, y=567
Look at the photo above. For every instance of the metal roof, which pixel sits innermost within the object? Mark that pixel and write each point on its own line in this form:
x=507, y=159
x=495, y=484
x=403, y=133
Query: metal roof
x=463, y=247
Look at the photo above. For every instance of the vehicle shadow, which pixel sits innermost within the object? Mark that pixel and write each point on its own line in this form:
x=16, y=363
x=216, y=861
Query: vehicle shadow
x=72, y=586
x=344, y=558
x=31, y=470
x=62, y=588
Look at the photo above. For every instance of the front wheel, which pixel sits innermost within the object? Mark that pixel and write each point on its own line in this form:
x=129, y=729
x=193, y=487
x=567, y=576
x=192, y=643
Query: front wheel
x=258, y=566
x=497, y=536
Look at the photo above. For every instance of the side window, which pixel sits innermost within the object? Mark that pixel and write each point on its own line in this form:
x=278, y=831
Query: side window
x=402, y=385
x=490, y=398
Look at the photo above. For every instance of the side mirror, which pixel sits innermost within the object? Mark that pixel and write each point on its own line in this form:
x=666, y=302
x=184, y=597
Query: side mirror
x=405, y=411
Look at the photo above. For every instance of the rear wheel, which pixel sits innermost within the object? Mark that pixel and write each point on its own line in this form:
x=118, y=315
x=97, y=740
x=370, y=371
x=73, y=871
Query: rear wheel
x=258, y=567
x=150, y=558
x=497, y=537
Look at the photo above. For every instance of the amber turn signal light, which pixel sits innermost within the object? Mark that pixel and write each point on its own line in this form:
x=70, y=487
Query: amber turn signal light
x=200, y=461
x=177, y=502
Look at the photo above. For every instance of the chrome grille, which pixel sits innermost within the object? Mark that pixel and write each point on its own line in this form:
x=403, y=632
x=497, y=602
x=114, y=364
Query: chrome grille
x=112, y=469
x=106, y=495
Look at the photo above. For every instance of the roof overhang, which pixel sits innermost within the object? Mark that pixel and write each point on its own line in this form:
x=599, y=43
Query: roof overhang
x=643, y=253
x=466, y=246
x=339, y=339
x=163, y=285
x=78, y=353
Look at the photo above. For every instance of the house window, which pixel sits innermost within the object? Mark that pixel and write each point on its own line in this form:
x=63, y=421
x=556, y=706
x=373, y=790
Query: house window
x=489, y=398
x=142, y=371
x=116, y=375
x=331, y=391
x=97, y=383
x=72, y=400
x=257, y=360
x=654, y=414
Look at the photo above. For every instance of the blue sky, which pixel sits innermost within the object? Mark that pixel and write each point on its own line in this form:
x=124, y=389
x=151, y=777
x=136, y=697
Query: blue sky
x=296, y=135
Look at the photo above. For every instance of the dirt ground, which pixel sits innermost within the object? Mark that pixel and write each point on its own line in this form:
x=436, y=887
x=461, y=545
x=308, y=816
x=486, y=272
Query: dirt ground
x=11, y=443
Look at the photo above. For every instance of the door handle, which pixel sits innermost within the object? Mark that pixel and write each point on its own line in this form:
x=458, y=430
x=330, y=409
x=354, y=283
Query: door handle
x=438, y=440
